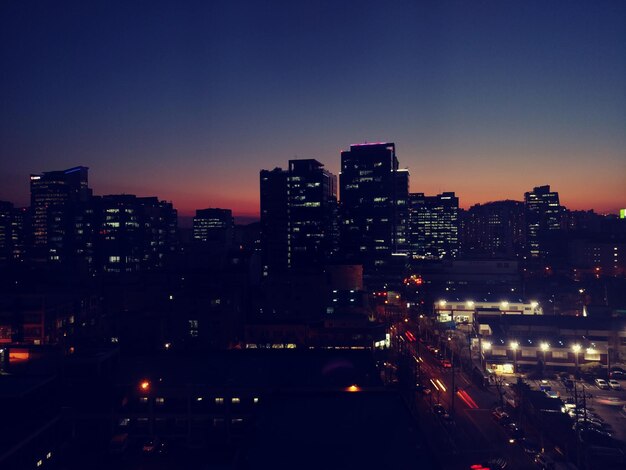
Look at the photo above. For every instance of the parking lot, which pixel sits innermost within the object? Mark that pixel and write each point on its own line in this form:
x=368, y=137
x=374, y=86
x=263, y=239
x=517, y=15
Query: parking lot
x=607, y=404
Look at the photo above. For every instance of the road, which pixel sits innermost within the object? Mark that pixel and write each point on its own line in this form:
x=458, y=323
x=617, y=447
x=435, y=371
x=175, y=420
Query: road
x=471, y=436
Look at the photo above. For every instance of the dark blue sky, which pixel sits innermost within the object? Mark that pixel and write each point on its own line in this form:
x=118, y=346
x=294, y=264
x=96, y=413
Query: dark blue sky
x=189, y=100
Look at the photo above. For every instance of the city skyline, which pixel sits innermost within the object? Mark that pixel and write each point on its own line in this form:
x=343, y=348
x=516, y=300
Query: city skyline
x=187, y=213
x=488, y=101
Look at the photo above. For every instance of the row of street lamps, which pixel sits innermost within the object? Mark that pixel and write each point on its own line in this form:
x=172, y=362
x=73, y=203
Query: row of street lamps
x=544, y=346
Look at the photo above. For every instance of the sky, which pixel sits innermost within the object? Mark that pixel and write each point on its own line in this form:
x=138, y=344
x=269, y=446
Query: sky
x=188, y=100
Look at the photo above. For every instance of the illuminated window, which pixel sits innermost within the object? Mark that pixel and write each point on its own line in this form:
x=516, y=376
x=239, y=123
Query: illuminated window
x=143, y=399
x=159, y=400
x=255, y=400
x=219, y=401
x=235, y=400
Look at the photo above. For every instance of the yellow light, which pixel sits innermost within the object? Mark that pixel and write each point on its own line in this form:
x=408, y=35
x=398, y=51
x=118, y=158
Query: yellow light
x=470, y=303
x=576, y=348
x=442, y=303
x=144, y=385
x=443, y=387
x=486, y=345
x=544, y=346
x=514, y=345
x=353, y=388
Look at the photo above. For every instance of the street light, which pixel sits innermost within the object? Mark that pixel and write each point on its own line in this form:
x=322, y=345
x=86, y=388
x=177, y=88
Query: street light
x=514, y=346
x=576, y=348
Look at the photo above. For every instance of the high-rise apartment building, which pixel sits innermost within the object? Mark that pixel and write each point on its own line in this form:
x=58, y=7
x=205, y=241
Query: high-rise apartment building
x=434, y=225
x=373, y=206
x=494, y=229
x=55, y=195
x=543, y=221
x=311, y=214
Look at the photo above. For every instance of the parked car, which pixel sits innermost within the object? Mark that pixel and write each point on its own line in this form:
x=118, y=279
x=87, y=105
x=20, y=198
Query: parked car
x=501, y=416
x=614, y=384
x=514, y=431
x=439, y=409
x=618, y=374
x=602, y=384
x=529, y=446
x=446, y=364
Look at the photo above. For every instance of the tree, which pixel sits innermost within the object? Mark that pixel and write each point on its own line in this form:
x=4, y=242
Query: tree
x=500, y=384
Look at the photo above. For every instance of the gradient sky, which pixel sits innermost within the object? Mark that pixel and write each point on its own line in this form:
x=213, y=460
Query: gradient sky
x=189, y=100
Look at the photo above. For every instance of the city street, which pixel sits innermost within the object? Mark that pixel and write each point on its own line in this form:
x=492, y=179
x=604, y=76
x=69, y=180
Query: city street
x=470, y=435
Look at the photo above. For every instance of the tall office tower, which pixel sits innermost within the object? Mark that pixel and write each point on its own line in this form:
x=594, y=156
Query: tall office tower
x=434, y=225
x=543, y=221
x=274, y=228
x=54, y=195
x=215, y=226
x=311, y=214
x=373, y=207
x=494, y=229
x=136, y=233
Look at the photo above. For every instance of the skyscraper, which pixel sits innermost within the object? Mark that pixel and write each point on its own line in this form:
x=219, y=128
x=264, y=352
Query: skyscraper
x=373, y=206
x=543, y=221
x=311, y=214
x=434, y=225
x=54, y=196
x=298, y=216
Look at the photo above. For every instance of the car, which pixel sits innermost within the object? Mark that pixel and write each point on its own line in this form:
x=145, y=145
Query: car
x=440, y=411
x=446, y=364
x=569, y=404
x=618, y=374
x=419, y=388
x=529, y=446
x=552, y=394
x=152, y=445
x=544, y=461
x=602, y=384
x=501, y=416
x=514, y=431
x=614, y=384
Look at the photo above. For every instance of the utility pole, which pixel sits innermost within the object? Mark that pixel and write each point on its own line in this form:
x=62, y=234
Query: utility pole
x=452, y=392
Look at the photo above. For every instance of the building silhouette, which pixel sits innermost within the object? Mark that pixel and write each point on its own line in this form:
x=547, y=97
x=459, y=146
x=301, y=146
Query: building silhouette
x=214, y=226
x=298, y=216
x=373, y=204
x=494, y=229
x=311, y=214
x=434, y=225
x=274, y=225
x=133, y=233
x=55, y=196
x=543, y=221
